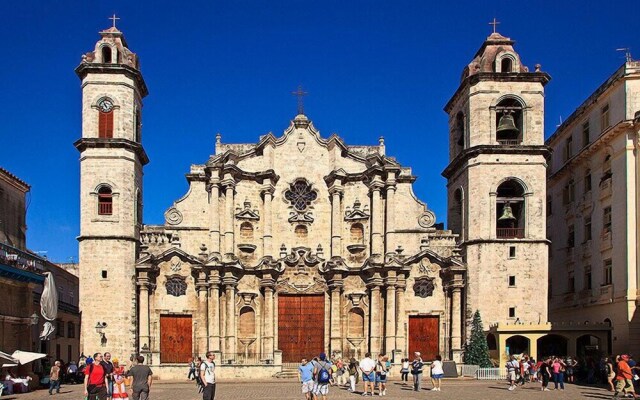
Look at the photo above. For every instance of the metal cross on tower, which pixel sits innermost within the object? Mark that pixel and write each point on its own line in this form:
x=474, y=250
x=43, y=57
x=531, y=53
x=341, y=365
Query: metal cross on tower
x=494, y=23
x=114, y=19
x=300, y=94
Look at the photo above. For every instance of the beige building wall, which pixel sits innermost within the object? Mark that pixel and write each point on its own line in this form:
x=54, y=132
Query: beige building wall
x=13, y=222
x=594, y=273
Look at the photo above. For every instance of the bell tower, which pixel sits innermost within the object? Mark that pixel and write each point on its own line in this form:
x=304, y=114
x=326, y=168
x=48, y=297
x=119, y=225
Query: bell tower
x=496, y=184
x=111, y=163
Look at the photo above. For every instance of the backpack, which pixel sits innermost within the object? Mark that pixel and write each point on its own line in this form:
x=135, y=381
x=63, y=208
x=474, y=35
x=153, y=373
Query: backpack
x=323, y=375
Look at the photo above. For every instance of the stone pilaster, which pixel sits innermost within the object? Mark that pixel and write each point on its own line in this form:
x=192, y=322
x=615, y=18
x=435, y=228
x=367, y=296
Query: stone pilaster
x=389, y=242
x=401, y=319
x=201, y=326
x=214, y=312
x=229, y=189
x=214, y=213
x=267, y=238
x=335, y=343
x=377, y=216
x=390, y=322
x=336, y=192
x=456, y=323
x=143, y=288
x=268, y=286
x=375, y=316
x=230, y=284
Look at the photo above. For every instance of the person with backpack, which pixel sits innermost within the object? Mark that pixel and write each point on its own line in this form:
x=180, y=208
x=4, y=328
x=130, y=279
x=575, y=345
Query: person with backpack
x=322, y=374
x=95, y=380
x=208, y=377
x=381, y=375
x=416, y=371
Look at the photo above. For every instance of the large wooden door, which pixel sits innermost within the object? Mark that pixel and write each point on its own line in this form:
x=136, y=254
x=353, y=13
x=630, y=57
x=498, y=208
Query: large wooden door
x=175, y=338
x=300, y=326
x=424, y=336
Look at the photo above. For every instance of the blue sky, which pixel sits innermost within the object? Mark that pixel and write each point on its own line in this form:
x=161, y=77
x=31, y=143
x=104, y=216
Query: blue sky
x=371, y=68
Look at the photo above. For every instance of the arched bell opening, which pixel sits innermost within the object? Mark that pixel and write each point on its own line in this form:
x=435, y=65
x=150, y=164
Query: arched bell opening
x=510, y=210
x=509, y=118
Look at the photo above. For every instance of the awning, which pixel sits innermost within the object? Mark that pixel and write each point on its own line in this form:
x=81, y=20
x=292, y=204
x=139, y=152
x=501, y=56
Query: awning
x=25, y=357
x=7, y=357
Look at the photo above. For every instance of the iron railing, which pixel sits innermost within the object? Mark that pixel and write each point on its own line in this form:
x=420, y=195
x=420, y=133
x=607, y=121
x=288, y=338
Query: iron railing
x=510, y=233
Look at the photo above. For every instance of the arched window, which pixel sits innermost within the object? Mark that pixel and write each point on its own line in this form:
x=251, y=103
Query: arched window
x=246, y=231
x=356, y=323
x=510, y=215
x=139, y=207
x=106, y=55
x=509, y=122
x=455, y=213
x=247, y=323
x=105, y=118
x=506, y=65
x=357, y=233
x=606, y=168
x=105, y=201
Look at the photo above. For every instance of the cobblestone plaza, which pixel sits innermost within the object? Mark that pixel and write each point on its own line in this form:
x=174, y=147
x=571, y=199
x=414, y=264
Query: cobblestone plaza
x=289, y=389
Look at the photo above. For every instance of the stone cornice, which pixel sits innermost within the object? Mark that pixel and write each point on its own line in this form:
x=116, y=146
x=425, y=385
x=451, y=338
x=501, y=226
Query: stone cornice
x=475, y=151
x=84, y=69
x=100, y=143
x=14, y=180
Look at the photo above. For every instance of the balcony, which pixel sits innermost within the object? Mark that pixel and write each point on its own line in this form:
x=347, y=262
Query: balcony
x=586, y=249
x=510, y=233
x=603, y=294
x=105, y=208
x=606, y=189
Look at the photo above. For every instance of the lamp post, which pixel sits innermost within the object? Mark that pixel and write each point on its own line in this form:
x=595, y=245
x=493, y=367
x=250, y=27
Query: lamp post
x=100, y=326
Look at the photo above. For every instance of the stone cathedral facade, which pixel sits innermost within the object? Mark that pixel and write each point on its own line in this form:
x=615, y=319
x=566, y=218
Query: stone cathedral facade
x=301, y=243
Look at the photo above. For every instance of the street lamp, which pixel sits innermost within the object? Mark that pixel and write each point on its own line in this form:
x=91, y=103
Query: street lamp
x=100, y=330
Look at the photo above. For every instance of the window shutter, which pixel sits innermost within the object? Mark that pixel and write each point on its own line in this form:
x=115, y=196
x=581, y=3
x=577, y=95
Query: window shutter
x=105, y=125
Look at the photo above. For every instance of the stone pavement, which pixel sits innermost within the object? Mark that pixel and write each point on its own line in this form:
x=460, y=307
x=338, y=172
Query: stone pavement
x=290, y=390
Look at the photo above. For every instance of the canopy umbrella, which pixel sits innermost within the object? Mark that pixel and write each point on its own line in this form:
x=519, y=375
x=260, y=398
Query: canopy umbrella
x=5, y=356
x=48, y=306
x=25, y=357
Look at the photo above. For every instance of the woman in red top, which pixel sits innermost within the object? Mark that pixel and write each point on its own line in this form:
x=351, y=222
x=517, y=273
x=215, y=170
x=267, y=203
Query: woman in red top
x=119, y=387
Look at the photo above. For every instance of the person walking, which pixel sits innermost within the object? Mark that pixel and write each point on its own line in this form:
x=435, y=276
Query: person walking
x=192, y=369
x=141, y=385
x=322, y=373
x=623, y=378
x=513, y=367
x=404, y=371
x=354, y=374
x=544, y=370
x=381, y=374
x=305, y=376
x=208, y=376
x=437, y=373
x=107, y=365
x=95, y=381
x=416, y=370
x=558, y=368
x=610, y=372
x=368, y=366
x=54, y=378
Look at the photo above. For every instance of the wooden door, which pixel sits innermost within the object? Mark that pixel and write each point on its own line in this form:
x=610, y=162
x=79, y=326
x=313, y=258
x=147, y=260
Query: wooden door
x=424, y=336
x=176, y=344
x=300, y=326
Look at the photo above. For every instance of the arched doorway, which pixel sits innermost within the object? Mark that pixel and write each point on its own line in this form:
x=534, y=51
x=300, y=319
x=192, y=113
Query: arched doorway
x=517, y=345
x=552, y=345
x=588, y=345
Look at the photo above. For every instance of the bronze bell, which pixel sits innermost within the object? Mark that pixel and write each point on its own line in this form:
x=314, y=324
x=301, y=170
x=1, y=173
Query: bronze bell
x=507, y=125
x=507, y=214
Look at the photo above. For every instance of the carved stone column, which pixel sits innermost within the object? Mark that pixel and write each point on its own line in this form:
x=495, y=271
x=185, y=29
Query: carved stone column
x=400, y=317
x=143, y=285
x=336, y=192
x=377, y=216
x=267, y=240
x=202, y=317
x=268, y=335
x=335, y=344
x=214, y=213
x=229, y=185
x=390, y=323
x=456, y=323
x=214, y=312
x=375, y=316
x=389, y=242
x=230, y=284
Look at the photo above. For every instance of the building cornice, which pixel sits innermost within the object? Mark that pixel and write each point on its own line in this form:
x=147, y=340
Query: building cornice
x=86, y=68
x=100, y=143
x=14, y=180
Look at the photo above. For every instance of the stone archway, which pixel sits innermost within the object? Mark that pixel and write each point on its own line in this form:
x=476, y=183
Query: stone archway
x=552, y=345
x=588, y=345
x=517, y=344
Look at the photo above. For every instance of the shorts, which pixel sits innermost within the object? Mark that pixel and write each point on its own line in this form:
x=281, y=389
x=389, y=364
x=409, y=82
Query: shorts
x=569, y=371
x=512, y=375
x=321, y=389
x=437, y=376
x=307, y=387
x=381, y=378
x=370, y=377
x=624, y=384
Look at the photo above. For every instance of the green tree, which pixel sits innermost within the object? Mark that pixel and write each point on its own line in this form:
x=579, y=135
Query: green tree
x=476, y=350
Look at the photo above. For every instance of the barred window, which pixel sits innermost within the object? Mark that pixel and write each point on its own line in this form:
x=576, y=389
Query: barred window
x=300, y=195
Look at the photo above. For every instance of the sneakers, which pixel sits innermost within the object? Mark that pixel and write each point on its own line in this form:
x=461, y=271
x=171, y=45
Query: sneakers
x=512, y=387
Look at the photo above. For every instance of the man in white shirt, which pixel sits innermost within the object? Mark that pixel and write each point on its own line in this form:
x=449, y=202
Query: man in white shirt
x=368, y=366
x=208, y=377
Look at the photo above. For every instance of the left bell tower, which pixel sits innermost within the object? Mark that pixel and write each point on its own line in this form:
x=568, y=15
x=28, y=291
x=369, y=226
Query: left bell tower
x=111, y=167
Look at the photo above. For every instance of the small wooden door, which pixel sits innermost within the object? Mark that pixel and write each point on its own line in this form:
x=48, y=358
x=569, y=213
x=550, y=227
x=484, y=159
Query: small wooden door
x=300, y=326
x=424, y=336
x=176, y=344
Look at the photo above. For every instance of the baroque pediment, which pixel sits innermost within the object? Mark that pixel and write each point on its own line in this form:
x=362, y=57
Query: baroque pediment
x=247, y=213
x=356, y=213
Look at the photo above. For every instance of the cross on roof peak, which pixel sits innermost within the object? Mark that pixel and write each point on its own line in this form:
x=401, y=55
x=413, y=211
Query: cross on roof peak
x=114, y=19
x=300, y=94
x=495, y=23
